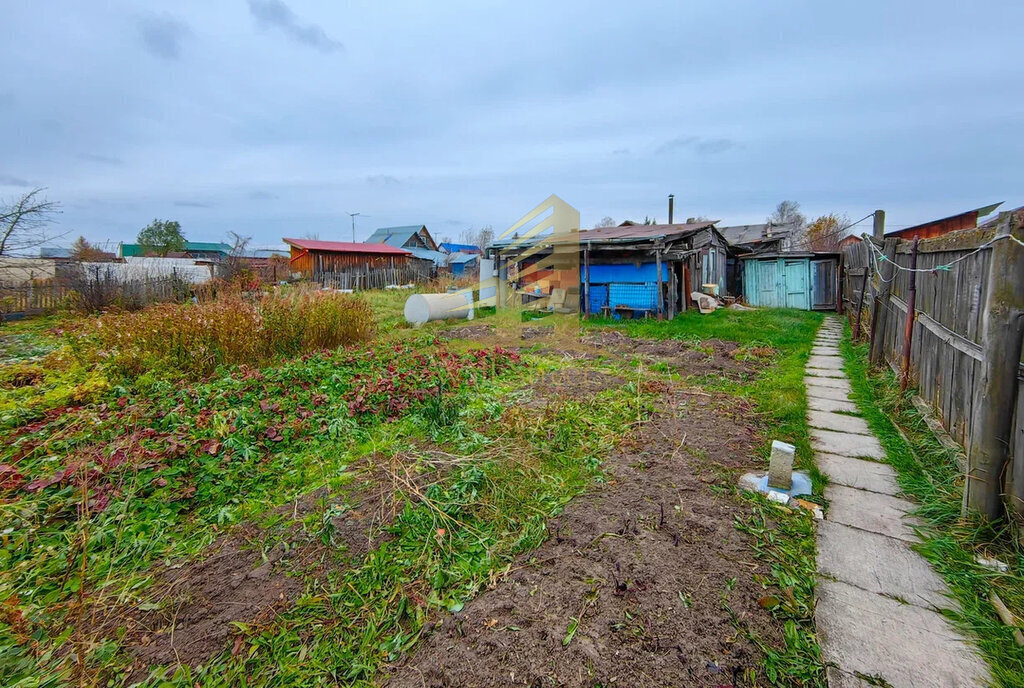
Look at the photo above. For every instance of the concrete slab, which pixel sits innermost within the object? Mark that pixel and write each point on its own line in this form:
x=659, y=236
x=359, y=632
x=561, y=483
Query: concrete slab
x=871, y=511
x=821, y=372
x=841, y=679
x=846, y=444
x=814, y=390
x=833, y=382
x=858, y=473
x=910, y=647
x=837, y=421
x=879, y=564
x=829, y=362
x=822, y=404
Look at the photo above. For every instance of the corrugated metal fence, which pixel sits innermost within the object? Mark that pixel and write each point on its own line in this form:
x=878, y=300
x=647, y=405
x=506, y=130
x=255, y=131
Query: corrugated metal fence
x=947, y=348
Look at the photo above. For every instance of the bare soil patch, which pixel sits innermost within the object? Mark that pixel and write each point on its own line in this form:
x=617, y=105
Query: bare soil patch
x=467, y=332
x=711, y=356
x=236, y=582
x=575, y=383
x=634, y=586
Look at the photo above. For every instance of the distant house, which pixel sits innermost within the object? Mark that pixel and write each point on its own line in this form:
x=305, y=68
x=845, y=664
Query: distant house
x=936, y=228
x=204, y=250
x=413, y=238
x=313, y=258
x=462, y=264
x=449, y=248
x=848, y=241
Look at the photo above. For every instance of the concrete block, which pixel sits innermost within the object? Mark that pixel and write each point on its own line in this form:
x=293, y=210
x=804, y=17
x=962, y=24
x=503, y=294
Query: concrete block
x=879, y=564
x=871, y=511
x=858, y=473
x=837, y=421
x=780, y=465
x=834, y=382
x=907, y=646
x=821, y=372
x=816, y=390
x=846, y=444
x=822, y=404
x=827, y=362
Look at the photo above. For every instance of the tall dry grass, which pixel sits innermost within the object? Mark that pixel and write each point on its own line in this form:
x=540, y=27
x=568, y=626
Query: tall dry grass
x=188, y=341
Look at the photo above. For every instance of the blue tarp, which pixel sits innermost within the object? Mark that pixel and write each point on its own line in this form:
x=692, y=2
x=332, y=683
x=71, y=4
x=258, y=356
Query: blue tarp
x=629, y=273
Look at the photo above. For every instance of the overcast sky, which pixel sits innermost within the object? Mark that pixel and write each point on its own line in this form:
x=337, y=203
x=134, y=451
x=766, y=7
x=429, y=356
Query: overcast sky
x=275, y=117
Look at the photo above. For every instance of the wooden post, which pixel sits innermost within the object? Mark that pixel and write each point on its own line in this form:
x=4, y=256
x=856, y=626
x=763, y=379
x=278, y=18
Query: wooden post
x=673, y=291
x=860, y=304
x=686, y=285
x=657, y=265
x=878, y=228
x=908, y=332
x=586, y=280
x=880, y=311
x=1002, y=330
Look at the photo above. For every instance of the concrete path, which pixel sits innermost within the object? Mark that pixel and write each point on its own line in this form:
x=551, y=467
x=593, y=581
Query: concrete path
x=877, y=600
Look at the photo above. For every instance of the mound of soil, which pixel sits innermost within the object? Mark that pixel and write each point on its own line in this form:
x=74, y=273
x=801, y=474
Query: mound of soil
x=633, y=587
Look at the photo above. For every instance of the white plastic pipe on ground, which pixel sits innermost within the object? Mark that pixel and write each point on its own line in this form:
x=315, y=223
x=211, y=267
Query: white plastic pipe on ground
x=421, y=308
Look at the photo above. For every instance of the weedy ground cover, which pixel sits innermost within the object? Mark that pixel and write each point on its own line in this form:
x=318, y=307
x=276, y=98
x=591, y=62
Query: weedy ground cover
x=104, y=495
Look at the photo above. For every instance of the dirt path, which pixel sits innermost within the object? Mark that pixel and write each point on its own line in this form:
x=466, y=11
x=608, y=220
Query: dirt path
x=633, y=585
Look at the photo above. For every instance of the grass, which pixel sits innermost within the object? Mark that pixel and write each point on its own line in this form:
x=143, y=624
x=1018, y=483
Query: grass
x=929, y=473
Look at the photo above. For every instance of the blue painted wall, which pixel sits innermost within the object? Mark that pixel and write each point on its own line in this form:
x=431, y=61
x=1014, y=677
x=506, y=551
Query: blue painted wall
x=605, y=274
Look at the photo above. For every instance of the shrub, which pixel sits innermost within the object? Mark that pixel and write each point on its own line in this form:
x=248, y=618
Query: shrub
x=178, y=341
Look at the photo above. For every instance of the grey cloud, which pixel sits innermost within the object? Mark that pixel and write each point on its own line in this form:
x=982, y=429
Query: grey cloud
x=101, y=159
x=696, y=144
x=11, y=180
x=620, y=151
x=163, y=36
x=453, y=222
x=276, y=14
x=192, y=204
x=260, y=195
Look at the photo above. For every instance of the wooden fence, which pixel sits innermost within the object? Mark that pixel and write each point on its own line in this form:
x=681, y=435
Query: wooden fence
x=30, y=298
x=372, y=278
x=955, y=339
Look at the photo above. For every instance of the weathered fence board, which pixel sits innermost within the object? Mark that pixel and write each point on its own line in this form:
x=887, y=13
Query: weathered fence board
x=947, y=352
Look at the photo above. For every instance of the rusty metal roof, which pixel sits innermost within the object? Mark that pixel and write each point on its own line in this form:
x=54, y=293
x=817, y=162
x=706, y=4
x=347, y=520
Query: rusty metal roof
x=629, y=233
x=344, y=246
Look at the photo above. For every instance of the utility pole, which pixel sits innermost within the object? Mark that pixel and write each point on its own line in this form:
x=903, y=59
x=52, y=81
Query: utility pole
x=353, y=216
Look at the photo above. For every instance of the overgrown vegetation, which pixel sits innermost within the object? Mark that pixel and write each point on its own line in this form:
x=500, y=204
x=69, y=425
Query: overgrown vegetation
x=929, y=472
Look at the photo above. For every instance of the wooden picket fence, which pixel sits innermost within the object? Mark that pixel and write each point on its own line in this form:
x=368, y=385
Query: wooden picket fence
x=32, y=298
x=957, y=346
x=372, y=278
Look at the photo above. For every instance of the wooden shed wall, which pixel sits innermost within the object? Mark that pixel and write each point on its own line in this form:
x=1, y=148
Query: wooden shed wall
x=309, y=263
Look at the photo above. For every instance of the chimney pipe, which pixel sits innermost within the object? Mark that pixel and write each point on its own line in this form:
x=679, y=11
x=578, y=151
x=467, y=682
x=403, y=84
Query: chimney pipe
x=671, y=206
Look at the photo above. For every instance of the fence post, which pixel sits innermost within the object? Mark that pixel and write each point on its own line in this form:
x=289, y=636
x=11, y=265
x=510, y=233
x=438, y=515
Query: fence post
x=1002, y=329
x=880, y=311
x=908, y=333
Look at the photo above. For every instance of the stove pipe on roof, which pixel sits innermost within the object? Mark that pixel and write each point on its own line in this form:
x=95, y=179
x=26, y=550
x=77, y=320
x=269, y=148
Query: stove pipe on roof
x=671, y=204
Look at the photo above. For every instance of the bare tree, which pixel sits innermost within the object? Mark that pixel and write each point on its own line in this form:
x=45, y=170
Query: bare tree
x=787, y=215
x=236, y=265
x=25, y=223
x=477, y=237
x=605, y=221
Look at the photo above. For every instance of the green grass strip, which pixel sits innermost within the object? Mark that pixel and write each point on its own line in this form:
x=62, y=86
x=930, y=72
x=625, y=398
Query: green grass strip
x=929, y=473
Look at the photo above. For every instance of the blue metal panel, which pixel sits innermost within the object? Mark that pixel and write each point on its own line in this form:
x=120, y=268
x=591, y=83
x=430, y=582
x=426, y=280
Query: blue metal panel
x=604, y=274
x=639, y=296
x=458, y=269
x=598, y=297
